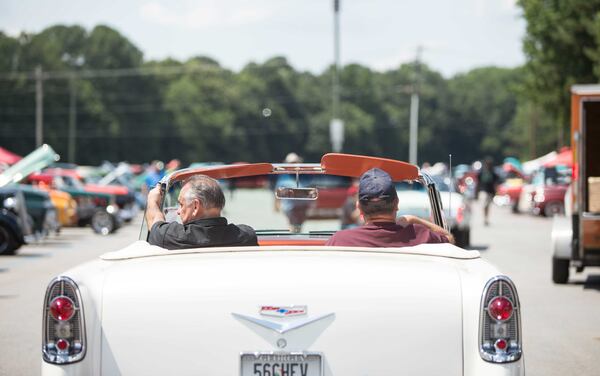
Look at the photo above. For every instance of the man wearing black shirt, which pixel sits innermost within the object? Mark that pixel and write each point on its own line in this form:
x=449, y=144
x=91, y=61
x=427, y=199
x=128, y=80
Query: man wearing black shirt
x=200, y=203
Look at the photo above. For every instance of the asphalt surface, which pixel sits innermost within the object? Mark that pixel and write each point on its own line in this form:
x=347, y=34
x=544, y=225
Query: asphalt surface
x=561, y=324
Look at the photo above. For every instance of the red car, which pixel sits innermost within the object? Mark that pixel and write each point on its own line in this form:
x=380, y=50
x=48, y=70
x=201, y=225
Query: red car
x=546, y=193
x=333, y=193
x=509, y=191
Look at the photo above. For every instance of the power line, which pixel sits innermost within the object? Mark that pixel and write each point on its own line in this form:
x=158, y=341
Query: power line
x=112, y=73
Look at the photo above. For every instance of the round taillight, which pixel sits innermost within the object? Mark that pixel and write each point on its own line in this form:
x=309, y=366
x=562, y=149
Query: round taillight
x=62, y=308
x=62, y=344
x=501, y=344
x=500, y=308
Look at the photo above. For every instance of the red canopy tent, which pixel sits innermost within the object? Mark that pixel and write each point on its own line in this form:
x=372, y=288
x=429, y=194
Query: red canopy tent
x=563, y=158
x=8, y=157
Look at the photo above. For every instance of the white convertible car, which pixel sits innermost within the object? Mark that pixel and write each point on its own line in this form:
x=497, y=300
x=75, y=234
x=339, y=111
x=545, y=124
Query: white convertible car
x=289, y=307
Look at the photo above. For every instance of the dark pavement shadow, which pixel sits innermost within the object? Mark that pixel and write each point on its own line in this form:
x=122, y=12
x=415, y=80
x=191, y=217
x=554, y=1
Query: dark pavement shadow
x=31, y=255
x=478, y=247
x=592, y=282
x=3, y=270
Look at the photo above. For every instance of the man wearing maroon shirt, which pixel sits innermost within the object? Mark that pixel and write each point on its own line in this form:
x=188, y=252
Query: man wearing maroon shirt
x=378, y=204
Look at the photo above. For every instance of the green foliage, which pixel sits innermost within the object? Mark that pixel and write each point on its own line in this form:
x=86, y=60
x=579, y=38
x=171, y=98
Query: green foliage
x=562, y=49
x=199, y=111
x=481, y=105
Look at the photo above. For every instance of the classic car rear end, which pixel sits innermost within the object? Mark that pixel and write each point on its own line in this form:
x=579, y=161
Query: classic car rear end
x=357, y=310
x=291, y=306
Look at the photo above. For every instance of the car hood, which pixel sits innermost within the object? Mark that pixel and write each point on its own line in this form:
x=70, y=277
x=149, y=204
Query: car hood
x=201, y=308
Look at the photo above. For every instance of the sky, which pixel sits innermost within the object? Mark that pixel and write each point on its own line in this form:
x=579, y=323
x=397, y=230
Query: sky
x=455, y=35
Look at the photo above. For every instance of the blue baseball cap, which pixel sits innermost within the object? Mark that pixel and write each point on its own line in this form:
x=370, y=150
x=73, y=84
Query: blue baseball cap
x=376, y=184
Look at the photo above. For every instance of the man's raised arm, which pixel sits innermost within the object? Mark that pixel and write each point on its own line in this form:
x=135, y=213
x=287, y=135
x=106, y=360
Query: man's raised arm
x=153, y=212
x=411, y=219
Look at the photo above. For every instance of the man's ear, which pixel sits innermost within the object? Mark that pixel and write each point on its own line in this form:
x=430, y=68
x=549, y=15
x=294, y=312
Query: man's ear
x=360, y=212
x=197, y=206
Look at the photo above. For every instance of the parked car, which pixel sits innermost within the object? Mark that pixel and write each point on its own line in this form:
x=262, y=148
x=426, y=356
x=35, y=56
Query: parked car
x=13, y=224
x=466, y=182
x=33, y=211
x=509, y=191
x=333, y=192
x=249, y=182
x=124, y=198
x=66, y=207
x=546, y=193
x=39, y=216
x=288, y=306
x=414, y=200
x=99, y=210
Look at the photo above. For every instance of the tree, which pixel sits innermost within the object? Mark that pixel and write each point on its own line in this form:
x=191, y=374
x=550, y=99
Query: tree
x=481, y=106
x=562, y=49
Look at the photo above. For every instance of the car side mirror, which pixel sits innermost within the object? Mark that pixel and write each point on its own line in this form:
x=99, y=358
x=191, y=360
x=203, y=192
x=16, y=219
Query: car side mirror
x=285, y=193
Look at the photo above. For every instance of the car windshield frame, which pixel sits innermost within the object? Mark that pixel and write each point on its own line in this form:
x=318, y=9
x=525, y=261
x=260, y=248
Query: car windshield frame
x=343, y=165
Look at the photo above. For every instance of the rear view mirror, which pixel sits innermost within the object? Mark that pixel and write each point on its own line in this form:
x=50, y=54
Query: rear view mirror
x=296, y=193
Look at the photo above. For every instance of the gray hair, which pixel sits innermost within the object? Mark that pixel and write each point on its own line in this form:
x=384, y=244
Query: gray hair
x=205, y=189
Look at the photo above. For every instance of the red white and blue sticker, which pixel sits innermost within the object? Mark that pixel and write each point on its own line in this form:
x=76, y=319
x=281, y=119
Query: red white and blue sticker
x=283, y=311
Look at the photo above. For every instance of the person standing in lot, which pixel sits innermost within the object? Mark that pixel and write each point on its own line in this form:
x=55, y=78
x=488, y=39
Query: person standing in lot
x=487, y=181
x=295, y=210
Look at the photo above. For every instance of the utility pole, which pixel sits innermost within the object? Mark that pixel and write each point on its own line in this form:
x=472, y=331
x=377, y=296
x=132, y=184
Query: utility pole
x=72, y=118
x=336, y=57
x=336, y=127
x=533, y=125
x=39, y=107
x=414, y=111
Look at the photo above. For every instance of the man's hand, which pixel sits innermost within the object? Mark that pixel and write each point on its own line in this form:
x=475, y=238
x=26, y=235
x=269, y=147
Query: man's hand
x=411, y=219
x=153, y=212
x=155, y=194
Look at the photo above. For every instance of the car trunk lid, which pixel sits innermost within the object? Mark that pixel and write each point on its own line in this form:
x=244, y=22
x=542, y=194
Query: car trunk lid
x=366, y=313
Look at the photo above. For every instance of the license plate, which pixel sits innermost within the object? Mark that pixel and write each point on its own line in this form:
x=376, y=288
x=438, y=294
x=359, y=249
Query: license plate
x=281, y=364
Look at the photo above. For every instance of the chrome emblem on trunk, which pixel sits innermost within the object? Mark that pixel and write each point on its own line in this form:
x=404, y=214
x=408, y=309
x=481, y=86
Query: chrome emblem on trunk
x=283, y=311
x=282, y=327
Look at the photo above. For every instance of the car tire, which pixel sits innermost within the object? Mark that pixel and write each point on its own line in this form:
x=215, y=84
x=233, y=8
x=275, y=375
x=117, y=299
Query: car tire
x=560, y=270
x=8, y=242
x=466, y=238
x=103, y=223
x=554, y=208
x=461, y=237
